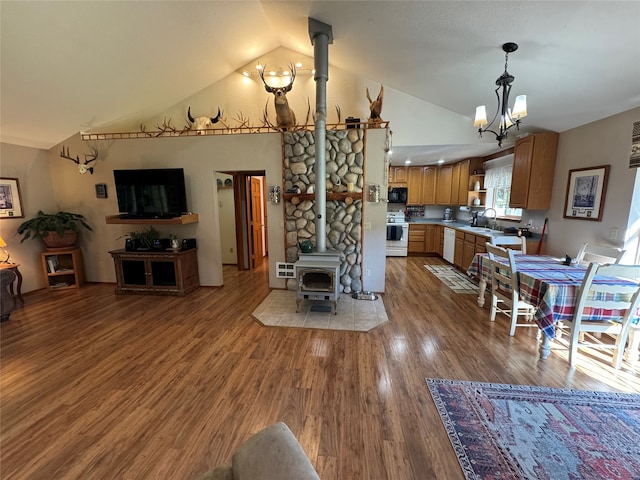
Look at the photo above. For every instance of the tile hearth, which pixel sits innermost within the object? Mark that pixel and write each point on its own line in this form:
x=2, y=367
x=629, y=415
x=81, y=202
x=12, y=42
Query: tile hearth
x=279, y=310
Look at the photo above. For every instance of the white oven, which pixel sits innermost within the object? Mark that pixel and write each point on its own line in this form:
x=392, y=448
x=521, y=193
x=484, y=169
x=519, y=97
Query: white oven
x=397, y=234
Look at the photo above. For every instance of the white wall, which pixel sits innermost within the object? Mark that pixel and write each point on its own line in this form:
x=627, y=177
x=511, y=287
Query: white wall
x=605, y=142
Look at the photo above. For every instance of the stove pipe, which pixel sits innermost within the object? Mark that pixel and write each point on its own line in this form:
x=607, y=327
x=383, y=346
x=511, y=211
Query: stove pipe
x=321, y=36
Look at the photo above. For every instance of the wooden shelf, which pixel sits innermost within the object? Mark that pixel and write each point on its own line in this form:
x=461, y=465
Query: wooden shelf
x=330, y=196
x=183, y=220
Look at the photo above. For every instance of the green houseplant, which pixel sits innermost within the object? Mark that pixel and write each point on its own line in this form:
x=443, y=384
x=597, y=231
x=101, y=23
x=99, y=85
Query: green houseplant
x=55, y=229
x=144, y=239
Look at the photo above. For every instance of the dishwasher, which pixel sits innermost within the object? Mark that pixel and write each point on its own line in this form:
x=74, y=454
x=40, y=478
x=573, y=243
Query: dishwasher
x=449, y=244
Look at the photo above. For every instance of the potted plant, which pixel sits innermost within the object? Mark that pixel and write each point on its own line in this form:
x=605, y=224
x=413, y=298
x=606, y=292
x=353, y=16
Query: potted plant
x=175, y=244
x=144, y=240
x=57, y=230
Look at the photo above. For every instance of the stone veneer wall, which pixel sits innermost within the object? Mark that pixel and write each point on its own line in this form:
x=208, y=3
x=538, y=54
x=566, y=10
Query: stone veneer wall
x=345, y=164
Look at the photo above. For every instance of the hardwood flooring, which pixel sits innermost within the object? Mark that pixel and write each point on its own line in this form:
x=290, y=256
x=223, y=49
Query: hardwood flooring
x=99, y=386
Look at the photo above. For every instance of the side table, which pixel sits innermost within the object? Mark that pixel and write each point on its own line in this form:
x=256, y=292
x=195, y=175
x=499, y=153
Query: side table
x=14, y=267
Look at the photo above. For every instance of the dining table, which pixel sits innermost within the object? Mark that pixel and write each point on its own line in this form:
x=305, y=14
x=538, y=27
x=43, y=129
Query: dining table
x=551, y=286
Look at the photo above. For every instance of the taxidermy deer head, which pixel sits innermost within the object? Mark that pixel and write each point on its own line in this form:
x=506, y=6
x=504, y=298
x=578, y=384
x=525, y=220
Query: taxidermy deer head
x=88, y=158
x=375, y=106
x=285, y=118
x=202, y=123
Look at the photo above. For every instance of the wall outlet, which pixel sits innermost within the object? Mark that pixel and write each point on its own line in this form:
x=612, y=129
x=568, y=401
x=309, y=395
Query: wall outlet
x=230, y=249
x=367, y=225
x=367, y=272
x=613, y=233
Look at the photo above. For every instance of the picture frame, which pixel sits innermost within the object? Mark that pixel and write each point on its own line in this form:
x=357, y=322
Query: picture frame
x=586, y=191
x=101, y=190
x=10, y=200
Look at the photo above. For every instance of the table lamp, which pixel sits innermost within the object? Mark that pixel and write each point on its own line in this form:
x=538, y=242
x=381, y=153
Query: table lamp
x=4, y=251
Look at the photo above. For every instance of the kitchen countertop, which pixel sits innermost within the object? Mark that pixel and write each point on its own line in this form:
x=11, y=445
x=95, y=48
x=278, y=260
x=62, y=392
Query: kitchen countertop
x=465, y=227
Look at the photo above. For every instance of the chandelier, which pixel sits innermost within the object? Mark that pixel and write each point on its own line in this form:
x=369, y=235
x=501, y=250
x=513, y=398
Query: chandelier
x=507, y=118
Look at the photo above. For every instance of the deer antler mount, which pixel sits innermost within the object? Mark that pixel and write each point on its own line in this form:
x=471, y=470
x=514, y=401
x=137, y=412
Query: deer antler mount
x=83, y=167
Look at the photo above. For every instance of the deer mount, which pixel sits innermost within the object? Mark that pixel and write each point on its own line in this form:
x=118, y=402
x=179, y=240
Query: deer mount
x=83, y=167
x=285, y=117
x=375, y=107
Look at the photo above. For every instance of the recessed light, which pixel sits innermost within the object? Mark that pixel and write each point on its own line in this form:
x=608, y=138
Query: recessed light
x=407, y=162
x=246, y=74
x=441, y=161
x=299, y=65
x=259, y=67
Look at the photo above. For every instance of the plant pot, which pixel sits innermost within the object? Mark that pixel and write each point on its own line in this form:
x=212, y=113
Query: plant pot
x=53, y=241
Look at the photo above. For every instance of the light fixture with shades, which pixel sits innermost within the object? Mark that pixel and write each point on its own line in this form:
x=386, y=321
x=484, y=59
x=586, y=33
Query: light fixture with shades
x=5, y=254
x=508, y=118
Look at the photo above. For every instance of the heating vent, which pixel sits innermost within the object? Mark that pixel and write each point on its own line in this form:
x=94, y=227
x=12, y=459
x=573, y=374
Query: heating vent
x=285, y=270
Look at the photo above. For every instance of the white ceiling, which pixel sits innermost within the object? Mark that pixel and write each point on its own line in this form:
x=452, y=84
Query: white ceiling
x=67, y=66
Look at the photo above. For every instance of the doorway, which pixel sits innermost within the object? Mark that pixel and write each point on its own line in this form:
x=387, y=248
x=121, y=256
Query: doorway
x=249, y=218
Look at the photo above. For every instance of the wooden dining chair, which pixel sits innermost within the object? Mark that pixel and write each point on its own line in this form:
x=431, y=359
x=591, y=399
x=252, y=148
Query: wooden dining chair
x=510, y=241
x=598, y=253
x=505, y=296
x=624, y=298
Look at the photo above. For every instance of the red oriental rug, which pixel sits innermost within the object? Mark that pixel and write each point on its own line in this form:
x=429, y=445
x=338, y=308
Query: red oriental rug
x=521, y=432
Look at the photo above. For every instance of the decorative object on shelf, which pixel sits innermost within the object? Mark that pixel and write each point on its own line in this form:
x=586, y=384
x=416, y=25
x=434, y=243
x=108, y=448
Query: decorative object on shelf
x=476, y=186
x=228, y=182
x=174, y=242
x=10, y=202
x=57, y=230
x=507, y=118
x=275, y=194
x=88, y=158
x=375, y=108
x=476, y=202
x=201, y=124
x=219, y=182
x=306, y=246
x=586, y=189
x=285, y=117
x=5, y=253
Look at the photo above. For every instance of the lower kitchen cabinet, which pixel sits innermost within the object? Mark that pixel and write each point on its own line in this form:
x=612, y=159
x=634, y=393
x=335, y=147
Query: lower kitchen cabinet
x=458, y=251
x=423, y=238
x=156, y=273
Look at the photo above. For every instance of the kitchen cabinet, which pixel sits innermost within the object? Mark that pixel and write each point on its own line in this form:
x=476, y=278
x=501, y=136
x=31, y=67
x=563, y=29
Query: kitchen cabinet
x=455, y=183
x=423, y=238
x=469, y=250
x=428, y=194
x=63, y=270
x=398, y=176
x=156, y=273
x=416, y=238
x=458, y=251
x=414, y=186
x=534, y=161
x=440, y=235
x=443, y=184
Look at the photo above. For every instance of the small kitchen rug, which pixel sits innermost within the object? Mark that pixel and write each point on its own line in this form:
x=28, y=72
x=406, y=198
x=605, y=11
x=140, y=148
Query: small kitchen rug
x=452, y=278
x=521, y=432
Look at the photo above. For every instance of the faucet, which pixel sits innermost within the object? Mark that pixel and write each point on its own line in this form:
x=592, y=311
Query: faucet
x=495, y=217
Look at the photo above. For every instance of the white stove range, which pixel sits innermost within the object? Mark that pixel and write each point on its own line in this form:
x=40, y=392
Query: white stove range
x=397, y=234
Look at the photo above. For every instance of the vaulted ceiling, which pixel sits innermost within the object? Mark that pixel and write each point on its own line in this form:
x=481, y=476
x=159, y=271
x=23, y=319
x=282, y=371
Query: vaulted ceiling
x=67, y=66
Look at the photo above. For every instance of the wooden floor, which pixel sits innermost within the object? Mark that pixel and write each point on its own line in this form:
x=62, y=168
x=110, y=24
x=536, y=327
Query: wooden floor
x=99, y=386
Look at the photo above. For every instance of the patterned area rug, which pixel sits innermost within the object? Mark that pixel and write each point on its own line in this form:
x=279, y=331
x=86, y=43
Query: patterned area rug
x=452, y=278
x=522, y=432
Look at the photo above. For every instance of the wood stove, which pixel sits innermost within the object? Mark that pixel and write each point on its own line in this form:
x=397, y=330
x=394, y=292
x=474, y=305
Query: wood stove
x=318, y=278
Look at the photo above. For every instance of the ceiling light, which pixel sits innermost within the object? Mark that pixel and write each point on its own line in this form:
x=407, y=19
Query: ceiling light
x=259, y=67
x=441, y=161
x=507, y=118
x=407, y=161
x=246, y=74
x=299, y=65
x=272, y=73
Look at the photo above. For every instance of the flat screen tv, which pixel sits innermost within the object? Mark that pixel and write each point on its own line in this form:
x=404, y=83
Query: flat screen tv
x=151, y=193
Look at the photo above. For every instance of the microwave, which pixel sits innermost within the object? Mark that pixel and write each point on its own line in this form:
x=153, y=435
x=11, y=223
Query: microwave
x=398, y=195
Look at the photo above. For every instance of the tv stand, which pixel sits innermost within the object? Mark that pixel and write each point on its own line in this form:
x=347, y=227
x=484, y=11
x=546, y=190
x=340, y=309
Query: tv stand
x=156, y=273
x=180, y=220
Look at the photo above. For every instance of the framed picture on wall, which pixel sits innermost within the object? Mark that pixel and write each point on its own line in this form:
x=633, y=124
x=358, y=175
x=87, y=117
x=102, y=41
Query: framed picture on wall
x=10, y=202
x=586, y=189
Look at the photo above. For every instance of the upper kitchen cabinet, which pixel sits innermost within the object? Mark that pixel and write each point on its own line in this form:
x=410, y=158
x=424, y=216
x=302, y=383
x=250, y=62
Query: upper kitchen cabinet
x=429, y=177
x=398, y=176
x=534, y=162
x=443, y=185
x=414, y=186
